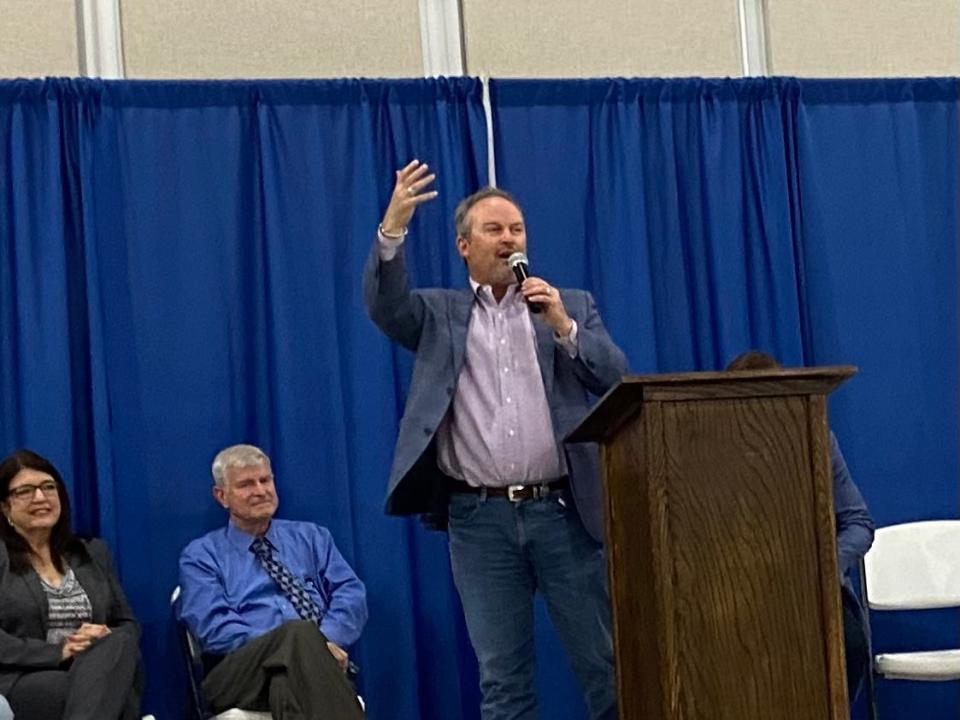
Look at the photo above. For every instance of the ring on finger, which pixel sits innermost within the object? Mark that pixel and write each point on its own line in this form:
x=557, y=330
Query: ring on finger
x=411, y=192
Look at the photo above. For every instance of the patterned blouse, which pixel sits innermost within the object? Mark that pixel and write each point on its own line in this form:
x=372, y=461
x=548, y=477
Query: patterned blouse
x=69, y=607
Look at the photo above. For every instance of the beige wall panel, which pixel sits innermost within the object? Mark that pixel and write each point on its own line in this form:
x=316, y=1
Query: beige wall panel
x=271, y=38
x=38, y=38
x=865, y=38
x=569, y=38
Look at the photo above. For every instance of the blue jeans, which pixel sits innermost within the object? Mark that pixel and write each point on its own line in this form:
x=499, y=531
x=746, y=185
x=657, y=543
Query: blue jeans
x=501, y=554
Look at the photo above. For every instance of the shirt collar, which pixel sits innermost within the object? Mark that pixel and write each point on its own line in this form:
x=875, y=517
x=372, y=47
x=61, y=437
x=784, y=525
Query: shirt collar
x=242, y=540
x=484, y=293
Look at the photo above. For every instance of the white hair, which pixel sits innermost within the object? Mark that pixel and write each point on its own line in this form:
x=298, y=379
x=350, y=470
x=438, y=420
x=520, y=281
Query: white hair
x=236, y=456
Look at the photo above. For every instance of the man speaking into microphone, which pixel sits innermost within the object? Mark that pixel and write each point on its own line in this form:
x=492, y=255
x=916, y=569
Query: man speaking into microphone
x=495, y=388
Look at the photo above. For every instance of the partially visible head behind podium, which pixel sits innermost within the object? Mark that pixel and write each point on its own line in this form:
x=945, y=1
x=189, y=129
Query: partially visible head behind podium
x=854, y=528
x=753, y=360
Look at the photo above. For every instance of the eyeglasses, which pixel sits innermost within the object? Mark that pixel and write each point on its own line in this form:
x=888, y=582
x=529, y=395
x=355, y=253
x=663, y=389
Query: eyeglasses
x=24, y=492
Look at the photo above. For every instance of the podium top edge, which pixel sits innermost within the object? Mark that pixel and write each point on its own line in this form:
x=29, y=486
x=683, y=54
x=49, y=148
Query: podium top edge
x=624, y=399
x=824, y=372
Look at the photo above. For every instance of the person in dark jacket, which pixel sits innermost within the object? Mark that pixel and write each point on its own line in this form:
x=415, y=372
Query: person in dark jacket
x=68, y=638
x=854, y=527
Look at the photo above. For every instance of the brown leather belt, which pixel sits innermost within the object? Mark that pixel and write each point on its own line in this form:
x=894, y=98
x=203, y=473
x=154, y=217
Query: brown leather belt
x=513, y=493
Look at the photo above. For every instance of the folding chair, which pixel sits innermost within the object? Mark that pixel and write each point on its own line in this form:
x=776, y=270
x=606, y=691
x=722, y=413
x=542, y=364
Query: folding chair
x=912, y=566
x=193, y=658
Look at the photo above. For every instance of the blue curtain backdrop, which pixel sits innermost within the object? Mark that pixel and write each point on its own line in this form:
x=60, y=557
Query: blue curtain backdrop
x=814, y=219
x=179, y=270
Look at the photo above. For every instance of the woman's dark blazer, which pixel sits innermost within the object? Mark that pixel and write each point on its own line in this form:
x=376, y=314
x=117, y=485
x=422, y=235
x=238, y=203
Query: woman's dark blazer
x=24, y=612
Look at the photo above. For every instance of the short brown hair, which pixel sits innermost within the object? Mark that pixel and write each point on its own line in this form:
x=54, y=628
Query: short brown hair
x=753, y=360
x=460, y=221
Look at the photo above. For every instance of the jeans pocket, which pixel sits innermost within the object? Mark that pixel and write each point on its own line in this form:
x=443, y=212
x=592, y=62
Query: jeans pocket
x=463, y=507
x=561, y=502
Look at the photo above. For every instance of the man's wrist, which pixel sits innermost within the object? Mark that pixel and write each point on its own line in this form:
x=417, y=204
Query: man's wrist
x=389, y=245
x=391, y=233
x=569, y=341
x=567, y=329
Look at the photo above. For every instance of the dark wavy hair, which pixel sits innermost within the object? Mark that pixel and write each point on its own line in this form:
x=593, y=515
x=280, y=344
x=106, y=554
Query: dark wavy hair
x=62, y=540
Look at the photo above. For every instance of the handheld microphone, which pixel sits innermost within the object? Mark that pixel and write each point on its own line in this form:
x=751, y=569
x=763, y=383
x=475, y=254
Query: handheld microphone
x=518, y=263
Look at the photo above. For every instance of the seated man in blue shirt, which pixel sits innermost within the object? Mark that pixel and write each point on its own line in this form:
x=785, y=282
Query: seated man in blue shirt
x=854, y=527
x=274, y=598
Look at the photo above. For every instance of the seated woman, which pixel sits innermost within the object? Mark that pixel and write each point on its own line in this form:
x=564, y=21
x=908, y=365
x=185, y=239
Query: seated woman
x=68, y=639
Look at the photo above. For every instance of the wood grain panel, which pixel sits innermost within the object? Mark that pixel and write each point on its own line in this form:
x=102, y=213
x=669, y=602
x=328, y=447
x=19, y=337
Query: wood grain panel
x=625, y=398
x=720, y=536
x=821, y=471
x=748, y=458
x=634, y=512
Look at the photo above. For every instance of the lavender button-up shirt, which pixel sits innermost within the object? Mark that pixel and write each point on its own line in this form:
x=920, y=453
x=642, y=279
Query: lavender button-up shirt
x=498, y=430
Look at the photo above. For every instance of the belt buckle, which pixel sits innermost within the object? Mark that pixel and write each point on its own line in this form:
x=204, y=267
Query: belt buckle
x=513, y=493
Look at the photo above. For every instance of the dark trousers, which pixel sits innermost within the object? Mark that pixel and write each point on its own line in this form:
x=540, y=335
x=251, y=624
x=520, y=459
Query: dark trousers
x=102, y=683
x=856, y=644
x=290, y=672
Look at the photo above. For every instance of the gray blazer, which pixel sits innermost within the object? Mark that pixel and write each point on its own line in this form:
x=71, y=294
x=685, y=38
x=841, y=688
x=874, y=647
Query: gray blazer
x=23, y=610
x=432, y=323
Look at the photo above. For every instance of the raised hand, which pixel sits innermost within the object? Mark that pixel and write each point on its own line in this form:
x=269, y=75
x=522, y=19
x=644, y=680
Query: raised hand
x=408, y=194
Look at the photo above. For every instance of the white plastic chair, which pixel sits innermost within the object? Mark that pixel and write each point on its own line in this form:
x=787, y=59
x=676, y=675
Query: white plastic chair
x=913, y=566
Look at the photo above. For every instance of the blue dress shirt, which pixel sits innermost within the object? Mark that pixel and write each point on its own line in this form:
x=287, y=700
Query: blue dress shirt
x=227, y=598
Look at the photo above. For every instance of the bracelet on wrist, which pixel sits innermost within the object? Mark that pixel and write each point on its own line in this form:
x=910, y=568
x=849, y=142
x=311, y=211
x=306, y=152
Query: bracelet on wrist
x=391, y=236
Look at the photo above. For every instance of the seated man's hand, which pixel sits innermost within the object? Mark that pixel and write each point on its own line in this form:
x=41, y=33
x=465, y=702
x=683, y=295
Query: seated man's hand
x=339, y=654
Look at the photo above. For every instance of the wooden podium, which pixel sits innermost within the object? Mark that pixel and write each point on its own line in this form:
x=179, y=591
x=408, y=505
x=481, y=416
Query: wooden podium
x=721, y=545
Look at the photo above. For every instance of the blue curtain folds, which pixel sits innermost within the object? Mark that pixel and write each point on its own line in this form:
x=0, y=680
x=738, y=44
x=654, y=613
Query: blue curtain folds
x=814, y=219
x=180, y=270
